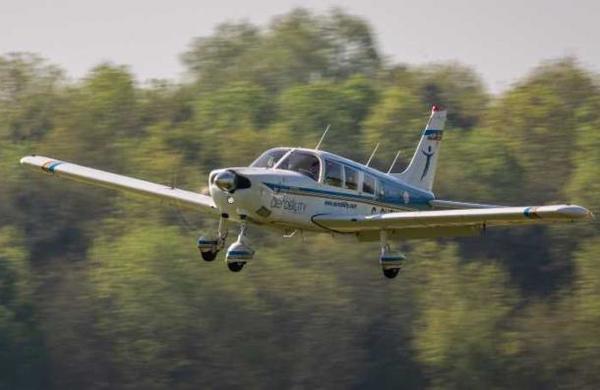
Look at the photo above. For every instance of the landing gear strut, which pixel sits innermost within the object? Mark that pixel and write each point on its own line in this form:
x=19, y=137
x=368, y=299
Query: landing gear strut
x=239, y=252
x=210, y=247
x=390, y=263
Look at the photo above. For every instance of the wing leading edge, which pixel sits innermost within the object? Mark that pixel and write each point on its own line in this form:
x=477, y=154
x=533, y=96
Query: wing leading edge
x=105, y=179
x=496, y=216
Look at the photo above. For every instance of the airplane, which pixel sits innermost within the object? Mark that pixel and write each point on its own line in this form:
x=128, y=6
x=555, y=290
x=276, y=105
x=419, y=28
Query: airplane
x=293, y=189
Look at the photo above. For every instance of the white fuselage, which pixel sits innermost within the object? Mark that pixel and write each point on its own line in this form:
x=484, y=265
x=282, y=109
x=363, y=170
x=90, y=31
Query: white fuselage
x=289, y=200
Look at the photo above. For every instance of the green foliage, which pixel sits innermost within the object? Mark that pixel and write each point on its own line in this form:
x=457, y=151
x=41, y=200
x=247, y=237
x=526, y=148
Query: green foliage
x=21, y=347
x=584, y=184
x=28, y=96
x=461, y=330
x=483, y=164
x=296, y=48
x=456, y=86
x=540, y=118
x=101, y=291
x=395, y=117
x=235, y=112
x=97, y=115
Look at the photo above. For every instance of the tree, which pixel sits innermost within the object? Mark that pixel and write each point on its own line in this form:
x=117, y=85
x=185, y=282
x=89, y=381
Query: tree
x=460, y=336
x=22, y=355
x=457, y=87
x=584, y=184
x=398, y=116
x=28, y=96
x=538, y=118
x=298, y=47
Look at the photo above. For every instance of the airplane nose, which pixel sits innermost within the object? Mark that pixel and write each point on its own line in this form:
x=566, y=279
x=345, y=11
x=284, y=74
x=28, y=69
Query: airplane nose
x=226, y=181
x=229, y=181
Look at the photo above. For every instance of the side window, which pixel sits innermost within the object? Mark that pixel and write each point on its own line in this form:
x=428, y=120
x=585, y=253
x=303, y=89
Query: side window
x=351, y=178
x=368, y=184
x=380, y=189
x=388, y=191
x=333, y=173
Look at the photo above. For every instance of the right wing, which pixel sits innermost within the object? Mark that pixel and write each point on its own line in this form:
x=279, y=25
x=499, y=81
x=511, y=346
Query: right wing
x=105, y=179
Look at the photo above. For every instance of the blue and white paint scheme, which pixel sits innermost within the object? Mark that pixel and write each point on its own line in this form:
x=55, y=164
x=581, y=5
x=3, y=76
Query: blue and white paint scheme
x=300, y=189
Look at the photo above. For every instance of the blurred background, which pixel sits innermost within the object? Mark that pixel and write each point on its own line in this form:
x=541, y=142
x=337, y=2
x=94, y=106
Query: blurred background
x=99, y=290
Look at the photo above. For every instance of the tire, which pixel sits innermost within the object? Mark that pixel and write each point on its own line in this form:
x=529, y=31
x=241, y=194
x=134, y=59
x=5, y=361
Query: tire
x=209, y=255
x=235, y=266
x=391, y=273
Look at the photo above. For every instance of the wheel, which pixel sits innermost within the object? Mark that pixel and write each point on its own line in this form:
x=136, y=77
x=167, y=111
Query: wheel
x=209, y=255
x=391, y=273
x=235, y=266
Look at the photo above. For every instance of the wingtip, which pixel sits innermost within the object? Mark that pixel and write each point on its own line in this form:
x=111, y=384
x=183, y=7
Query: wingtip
x=34, y=160
x=24, y=160
x=577, y=212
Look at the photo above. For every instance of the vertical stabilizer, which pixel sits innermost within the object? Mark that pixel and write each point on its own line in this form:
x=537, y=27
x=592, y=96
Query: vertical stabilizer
x=420, y=172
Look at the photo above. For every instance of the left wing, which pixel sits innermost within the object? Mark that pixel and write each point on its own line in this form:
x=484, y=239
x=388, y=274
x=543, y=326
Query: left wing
x=452, y=219
x=119, y=182
x=452, y=205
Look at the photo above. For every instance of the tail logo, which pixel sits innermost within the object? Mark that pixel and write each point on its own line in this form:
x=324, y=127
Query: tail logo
x=434, y=135
x=428, y=154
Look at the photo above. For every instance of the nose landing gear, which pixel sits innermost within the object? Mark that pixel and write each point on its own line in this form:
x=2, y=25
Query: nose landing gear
x=239, y=252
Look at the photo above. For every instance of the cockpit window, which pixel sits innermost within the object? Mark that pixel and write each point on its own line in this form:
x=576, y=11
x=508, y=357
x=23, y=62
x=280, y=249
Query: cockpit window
x=269, y=158
x=302, y=162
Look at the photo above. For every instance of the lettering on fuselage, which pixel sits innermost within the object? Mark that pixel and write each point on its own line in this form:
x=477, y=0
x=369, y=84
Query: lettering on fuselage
x=342, y=204
x=288, y=203
x=381, y=210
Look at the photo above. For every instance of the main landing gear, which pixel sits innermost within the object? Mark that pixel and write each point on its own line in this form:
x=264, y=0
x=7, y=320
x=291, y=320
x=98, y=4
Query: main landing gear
x=238, y=253
x=209, y=247
x=390, y=263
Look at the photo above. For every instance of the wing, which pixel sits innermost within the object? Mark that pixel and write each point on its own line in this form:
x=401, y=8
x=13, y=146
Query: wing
x=447, y=222
x=450, y=204
x=105, y=179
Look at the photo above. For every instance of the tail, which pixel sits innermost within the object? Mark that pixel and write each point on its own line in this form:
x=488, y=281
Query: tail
x=420, y=172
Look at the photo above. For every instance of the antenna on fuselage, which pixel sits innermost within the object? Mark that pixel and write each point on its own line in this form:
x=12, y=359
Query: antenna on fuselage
x=372, y=154
x=322, y=137
x=394, y=162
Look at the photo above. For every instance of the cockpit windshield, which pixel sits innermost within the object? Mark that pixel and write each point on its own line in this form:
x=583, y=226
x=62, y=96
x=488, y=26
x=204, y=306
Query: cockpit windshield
x=269, y=158
x=302, y=162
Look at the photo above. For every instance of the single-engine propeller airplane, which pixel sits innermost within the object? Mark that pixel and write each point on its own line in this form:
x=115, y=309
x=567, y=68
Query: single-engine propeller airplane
x=298, y=189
